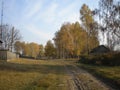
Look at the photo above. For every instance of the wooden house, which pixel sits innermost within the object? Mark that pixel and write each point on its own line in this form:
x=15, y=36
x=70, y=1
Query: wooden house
x=100, y=50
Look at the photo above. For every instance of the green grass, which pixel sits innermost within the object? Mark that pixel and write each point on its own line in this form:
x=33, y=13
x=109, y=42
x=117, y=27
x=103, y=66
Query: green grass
x=32, y=75
x=110, y=74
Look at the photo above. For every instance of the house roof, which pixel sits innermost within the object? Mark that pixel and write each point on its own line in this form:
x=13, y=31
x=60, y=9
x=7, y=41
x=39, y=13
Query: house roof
x=100, y=49
x=1, y=41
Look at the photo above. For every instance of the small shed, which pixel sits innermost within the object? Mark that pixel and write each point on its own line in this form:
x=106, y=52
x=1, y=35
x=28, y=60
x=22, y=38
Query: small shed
x=100, y=50
x=7, y=55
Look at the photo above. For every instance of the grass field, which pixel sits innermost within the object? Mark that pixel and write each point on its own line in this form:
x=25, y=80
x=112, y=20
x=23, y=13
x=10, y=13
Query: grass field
x=110, y=74
x=26, y=74
x=32, y=75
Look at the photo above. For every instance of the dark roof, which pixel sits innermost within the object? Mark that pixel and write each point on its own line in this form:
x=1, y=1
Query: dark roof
x=100, y=49
x=1, y=41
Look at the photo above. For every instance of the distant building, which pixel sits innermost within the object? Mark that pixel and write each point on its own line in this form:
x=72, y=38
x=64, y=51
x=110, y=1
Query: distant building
x=7, y=55
x=1, y=44
x=1, y=41
x=100, y=49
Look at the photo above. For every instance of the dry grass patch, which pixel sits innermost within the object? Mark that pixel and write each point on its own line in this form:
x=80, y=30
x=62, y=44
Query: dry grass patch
x=26, y=74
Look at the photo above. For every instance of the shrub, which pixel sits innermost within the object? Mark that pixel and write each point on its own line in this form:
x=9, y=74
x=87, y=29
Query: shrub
x=111, y=59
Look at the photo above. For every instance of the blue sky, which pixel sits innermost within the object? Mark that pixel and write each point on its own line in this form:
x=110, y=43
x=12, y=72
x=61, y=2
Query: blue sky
x=38, y=20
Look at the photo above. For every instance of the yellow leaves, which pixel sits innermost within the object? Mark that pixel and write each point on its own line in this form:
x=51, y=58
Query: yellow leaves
x=50, y=50
x=27, y=49
x=71, y=38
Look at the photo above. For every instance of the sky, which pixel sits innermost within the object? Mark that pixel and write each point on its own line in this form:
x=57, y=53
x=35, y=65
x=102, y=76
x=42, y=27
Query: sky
x=38, y=20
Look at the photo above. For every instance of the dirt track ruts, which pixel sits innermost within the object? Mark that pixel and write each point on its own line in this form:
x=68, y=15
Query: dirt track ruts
x=80, y=79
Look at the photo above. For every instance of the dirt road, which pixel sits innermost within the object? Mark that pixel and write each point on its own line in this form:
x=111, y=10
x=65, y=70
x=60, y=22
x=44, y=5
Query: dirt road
x=80, y=79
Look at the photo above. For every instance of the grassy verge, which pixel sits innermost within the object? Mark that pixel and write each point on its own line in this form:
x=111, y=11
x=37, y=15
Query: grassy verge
x=109, y=74
x=32, y=75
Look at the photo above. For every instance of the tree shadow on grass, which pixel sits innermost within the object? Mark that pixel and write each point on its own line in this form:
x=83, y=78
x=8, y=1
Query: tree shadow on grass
x=43, y=69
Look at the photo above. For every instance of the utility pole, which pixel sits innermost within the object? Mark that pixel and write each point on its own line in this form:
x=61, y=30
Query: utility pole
x=1, y=19
x=1, y=28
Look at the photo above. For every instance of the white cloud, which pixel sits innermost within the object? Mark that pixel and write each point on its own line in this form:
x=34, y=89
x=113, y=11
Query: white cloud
x=32, y=9
x=38, y=32
x=48, y=14
x=67, y=9
x=56, y=13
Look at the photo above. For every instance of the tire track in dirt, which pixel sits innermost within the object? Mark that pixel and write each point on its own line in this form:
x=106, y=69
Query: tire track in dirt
x=74, y=82
x=80, y=79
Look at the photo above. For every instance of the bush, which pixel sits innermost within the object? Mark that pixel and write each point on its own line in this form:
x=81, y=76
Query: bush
x=111, y=59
